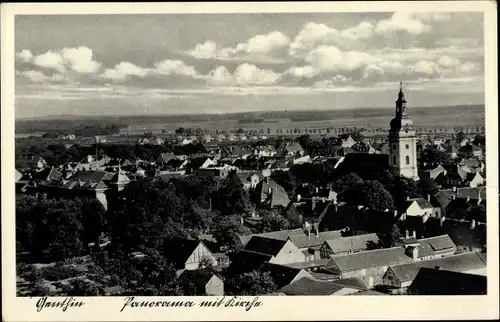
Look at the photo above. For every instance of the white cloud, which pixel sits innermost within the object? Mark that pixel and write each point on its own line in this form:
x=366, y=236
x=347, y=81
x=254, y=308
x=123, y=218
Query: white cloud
x=311, y=35
x=336, y=80
x=124, y=69
x=244, y=75
x=384, y=68
x=330, y=58
x=402, y=21
x=258, y=45
x=425, y=67
x=469, y=67
x=175, y=67
x=302, y=71
x=448, y=62
x=67, y=59
x=39, y=77
x=25, y=56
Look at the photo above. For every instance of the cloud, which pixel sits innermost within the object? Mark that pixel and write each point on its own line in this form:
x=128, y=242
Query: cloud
x=244, y=75
x=302, y=71
x=65, y=60
x=384, y=70
x=469, y=67
x=175, y=67
x=255, y=47
x=330, y=58
x=24, y=56
x=37, y=76
x=425, y=67
x=448, y=62
x=123, y=70
x=402, y=21
x=335, y=80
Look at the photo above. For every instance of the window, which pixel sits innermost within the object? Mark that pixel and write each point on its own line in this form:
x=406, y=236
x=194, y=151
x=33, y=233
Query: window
x=394, y=159
x=407, y=159
x=394, y=146
x=407, y=146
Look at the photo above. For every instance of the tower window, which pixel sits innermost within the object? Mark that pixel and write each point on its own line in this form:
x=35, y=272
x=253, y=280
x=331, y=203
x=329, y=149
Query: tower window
x=394, y=146
x=394, y=159
x=407, y=159
x=407, y=146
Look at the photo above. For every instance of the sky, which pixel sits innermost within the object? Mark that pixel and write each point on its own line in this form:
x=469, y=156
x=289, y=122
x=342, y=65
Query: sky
x=222, y=63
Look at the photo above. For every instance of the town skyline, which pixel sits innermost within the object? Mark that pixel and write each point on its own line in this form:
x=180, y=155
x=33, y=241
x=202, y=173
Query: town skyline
x=324, y=61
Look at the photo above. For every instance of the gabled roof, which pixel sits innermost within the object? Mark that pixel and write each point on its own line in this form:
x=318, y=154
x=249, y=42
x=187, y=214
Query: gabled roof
x=369, y=259
x=421, y=202
x=264, y=245
x=345, y=244
x=180, y=249
x=282, y=275
x=308, y=286
x=440, y=282
x=433, y=245
x=94, y=176
x=457, y=263
x=271, y=193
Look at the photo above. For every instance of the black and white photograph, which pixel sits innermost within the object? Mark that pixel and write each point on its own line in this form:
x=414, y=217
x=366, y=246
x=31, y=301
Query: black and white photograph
x=251, y=154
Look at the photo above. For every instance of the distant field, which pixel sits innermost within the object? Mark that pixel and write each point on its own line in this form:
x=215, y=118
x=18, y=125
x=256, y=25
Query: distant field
x=443, y=118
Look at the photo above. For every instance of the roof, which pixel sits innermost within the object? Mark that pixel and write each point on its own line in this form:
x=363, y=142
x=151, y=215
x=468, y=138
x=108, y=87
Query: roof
x=457, y=263
x=199, y=277
x=294, y=148
x=113, y=289
x=310, y=264
x=440, y=282
x=178, y=250
x=308, y=286
x=422, y=203
x=369, y=259
x=433, y=245
x=470, y=162
x=262, y=245
x=91, y=176
x=345, y=244
x=304, y=241
x=369, y=292
x=282, y=275
x=353, y=282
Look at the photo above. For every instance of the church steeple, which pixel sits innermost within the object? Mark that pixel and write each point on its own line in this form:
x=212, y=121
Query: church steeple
x=401, y=102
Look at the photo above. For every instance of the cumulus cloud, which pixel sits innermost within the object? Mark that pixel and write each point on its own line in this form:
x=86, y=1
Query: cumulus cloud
x=425, y=67
x=402, y=21
x=37, y=76
x=244, y=75
x=78, y=60
x=302, y=71
x=124, y=69
x=335, y=80
x=469, y=67
x=330, y=58
x=384, y=70
x=24, y=56
x=175, y=67
x=258, y=45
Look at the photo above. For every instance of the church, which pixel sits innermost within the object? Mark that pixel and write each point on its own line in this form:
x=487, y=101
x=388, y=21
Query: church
x=403, y=141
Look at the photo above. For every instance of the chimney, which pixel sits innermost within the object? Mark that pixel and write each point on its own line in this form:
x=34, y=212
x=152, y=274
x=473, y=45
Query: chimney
x=408, y=198
x=317, y=189
x=437, y=267
x=308, y=228
x=441, y=220
x=316, y=229
x=360, y=207
x=424, y=218
x=468, y=199
x=386, y=210
x=298, y=198
x=429, y=198
x=414, y=234
x=407, y=234
x=395, y=213
x=313, y=203
x=453, y=197
x=454, y=189
x=472, y=224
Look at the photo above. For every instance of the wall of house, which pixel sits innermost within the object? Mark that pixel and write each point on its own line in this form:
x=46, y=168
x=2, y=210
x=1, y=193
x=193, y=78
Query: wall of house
x=200, y=251
x=215, y=286
x=303, y=273
x=390, y=279
x=288, y=254
x=370, y=276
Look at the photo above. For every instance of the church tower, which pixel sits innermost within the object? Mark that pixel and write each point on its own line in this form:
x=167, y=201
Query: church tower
x=402, y=141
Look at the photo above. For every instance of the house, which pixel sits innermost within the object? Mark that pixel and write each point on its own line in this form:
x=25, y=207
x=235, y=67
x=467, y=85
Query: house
x=474, y=165
x=264, y=151
x=284, y=275
x=420, y=207
x=452, y=152
x=116, y=290
x=432, y=281
x=302, y=160
x=35, y=162
x=249, y=179
x=369, y=266
x=475, y=180
x=294, y=149
x=222, y=259
x=188, y=254
x=199, y=163
x=270, y=195
x=277, y=251
x=90, y=163
x=401, y=276
x=69, y=137
x=471, y=151
x=201, y=282
x=350, y=244
x=92, y=184
x=428, y=248
x=348, y=142
x=309, y=286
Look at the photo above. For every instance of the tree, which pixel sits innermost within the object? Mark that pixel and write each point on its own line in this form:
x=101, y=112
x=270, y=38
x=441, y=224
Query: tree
x=180, y=130
x=80, y=287
x=371, y=194
x=346, y=182
x=273, y=222
x=251, y=283
x=460, y=136
x=286, y=180
x=394, y=235
x=239, y=131
x=227, y=231
x=433, y=157
x=427, y=187
x=232, y=199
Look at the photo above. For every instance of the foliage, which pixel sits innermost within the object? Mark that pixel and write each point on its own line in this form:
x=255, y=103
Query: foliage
x=82, y=287
x=427, y=187
x=394, y=235
x=433, y=157
x=370, y=193
x=286, y=180
x=232, y=199
x=273, y=222
x=227, y=230
x=346, y=182
x=251, y=283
